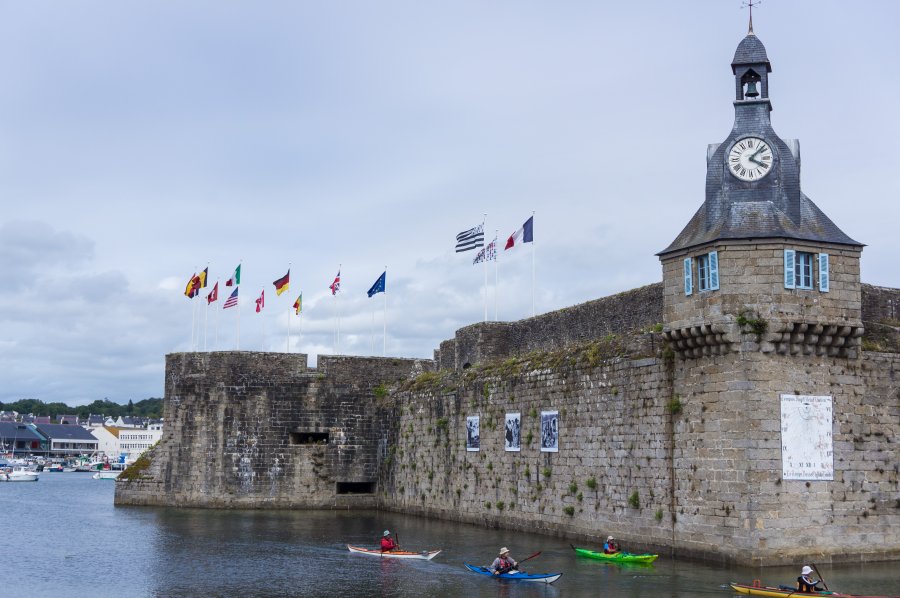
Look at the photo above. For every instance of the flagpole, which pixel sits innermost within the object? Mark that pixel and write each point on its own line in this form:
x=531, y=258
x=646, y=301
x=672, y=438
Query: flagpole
x=484, y=268
x=532, y=263
x=338, y=314
x=217, y=325
x=238, y=306
x=384, y=317
x=496, y=272
x=205, y=324
x=287, y=348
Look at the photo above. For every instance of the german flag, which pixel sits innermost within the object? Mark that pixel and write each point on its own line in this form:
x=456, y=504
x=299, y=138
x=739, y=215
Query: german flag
x=283, y=283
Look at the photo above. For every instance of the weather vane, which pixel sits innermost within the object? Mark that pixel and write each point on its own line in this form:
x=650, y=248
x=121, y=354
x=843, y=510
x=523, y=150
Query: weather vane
x=750, y=4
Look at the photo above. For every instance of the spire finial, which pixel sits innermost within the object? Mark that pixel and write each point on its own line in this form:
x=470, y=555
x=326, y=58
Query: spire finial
x=750, y=4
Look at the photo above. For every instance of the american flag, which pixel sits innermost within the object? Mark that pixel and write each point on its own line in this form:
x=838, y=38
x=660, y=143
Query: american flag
x=232, y=300
x=490, y=251
x=336, y=285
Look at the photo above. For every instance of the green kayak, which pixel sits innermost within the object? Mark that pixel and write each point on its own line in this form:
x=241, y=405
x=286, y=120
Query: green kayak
x=619, y=557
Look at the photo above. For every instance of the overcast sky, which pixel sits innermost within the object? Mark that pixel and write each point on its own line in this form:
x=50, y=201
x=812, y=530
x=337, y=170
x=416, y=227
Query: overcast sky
x=142, y=141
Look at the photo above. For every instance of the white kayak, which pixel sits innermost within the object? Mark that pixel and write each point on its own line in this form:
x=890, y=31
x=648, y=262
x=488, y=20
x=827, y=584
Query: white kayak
x=425, y=555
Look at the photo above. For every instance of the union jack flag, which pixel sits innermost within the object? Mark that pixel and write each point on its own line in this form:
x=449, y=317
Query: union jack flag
x=336, y=285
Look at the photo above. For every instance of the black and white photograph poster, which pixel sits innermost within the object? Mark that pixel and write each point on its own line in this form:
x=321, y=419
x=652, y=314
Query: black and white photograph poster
x=513, y=430
x=549, y=431
x=473, y=433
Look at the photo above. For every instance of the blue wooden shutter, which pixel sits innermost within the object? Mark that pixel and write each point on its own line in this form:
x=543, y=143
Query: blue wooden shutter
x=823, y=272
x=688, y=277
x=789, y=264
x=713, y=270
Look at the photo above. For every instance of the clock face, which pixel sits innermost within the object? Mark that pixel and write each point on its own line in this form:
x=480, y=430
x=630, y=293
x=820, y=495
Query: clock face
x=750, y=159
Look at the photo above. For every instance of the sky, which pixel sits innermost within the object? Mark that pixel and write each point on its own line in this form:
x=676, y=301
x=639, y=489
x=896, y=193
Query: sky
x=141, y=142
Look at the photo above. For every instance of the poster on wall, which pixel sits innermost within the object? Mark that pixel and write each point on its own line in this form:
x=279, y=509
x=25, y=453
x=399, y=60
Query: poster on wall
x=473, y=433
x=807, y=452
x=549, y=431
x=513, y=432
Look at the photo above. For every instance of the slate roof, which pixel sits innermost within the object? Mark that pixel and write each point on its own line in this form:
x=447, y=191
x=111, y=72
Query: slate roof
x=10, y=430
x=750, y=51
x=65, y=432
x=760, y=220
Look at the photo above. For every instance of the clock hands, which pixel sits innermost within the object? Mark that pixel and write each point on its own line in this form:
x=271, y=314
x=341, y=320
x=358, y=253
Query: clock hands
x=753, y=159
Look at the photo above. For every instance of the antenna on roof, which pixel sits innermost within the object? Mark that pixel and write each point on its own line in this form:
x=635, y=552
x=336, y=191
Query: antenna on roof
x=750, y=4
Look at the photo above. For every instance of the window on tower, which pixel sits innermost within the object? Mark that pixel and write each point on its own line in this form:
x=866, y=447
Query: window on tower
x=708, y=271
x=802, y=268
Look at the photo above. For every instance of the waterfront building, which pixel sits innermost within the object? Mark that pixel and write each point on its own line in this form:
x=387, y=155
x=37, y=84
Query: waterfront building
x=65, y=440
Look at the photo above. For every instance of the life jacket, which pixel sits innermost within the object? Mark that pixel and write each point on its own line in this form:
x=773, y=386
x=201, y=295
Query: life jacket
x=388, y=544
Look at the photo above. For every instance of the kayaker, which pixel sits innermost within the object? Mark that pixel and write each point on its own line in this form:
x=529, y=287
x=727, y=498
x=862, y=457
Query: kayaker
x=805, y=583
x=611, y=546
x=503, y=563
x=387, y=542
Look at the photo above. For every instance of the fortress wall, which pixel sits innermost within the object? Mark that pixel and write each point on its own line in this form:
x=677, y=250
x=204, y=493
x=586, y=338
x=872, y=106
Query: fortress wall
x=615, y=430
x=880, y=303
x=637, y=309
x=246, y=430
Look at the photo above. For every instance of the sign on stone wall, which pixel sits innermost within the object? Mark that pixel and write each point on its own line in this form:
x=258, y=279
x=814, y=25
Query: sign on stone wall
x=549, y=431
x=512, y=441
x=807, y=452
x=473, y=433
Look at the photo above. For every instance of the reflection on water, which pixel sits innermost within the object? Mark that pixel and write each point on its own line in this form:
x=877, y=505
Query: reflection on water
x=70, y=541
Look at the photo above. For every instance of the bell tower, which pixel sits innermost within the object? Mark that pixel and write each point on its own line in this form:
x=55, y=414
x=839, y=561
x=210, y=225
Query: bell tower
x=760, y=266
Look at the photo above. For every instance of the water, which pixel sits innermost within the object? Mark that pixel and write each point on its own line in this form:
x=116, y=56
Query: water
x=63, y=537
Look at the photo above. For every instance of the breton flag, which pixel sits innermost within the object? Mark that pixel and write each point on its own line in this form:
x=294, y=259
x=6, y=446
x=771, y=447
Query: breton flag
x=487, y=253
x=235, y=278
x=283, y=283
x=203, y=276
x=378, y=287
x=298, y=304
x=470, y=239
x=213, y=294
x=261, y=302
x=232, y=300
x=193, y=287
x=526, y=233
x=336, y=285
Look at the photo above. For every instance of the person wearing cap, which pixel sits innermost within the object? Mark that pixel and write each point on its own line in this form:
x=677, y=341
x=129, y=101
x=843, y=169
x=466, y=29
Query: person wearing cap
x=805, y=583
x=503, y=563
x=387, y=542
x=611, y=546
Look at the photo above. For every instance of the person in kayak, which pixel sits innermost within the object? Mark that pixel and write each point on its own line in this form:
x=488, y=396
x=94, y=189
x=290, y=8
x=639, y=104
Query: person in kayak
x=611, y=546
x=805, y=583
x=503, y=563
x=387, y=542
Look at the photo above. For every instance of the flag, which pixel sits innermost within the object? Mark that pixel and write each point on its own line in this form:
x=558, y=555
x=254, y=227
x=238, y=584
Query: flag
x=298, y=304
x=235, y=278
x=261, y=302
x=283, y=283
x=202, y=278
x=470, y=239
x=336, y=285
x=378, y=287
x=232, y=300
x=213, y=294
x=193, y=287
x=526, y=233
x=487, y=253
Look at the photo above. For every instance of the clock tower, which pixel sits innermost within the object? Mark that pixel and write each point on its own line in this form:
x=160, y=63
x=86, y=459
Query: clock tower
x=760, y=266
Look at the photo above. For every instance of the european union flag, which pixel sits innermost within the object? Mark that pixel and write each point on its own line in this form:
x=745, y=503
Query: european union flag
x=378, y=287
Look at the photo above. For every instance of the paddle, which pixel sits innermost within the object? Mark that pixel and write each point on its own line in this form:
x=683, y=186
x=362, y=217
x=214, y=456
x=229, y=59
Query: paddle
x=822, y=579
x=506, y=569
x=397, y=535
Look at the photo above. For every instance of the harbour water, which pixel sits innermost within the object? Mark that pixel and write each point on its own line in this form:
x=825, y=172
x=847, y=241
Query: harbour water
x=64, y=537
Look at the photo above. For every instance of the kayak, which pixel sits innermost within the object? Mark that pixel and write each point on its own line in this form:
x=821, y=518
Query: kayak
x=425, y=555
x=619, y=557
x=759, y=590
x=516, y=575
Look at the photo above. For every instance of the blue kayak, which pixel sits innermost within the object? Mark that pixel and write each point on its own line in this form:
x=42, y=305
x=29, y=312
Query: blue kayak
x=516, y=575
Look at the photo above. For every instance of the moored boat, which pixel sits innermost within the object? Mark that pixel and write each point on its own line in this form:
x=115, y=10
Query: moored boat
x=20, y=474
x=618, y=557
x=425, y=555
x=106, y=475
x=516, y=575
x=783, y=592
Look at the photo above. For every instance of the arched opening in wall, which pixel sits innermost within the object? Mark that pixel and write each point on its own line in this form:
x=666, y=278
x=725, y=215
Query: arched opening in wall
x=309, y=437
x=467, y=365
x=355, y=488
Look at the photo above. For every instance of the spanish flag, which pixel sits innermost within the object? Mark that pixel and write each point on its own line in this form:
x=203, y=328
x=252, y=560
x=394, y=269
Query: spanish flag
x=298, y=304
x=283, y=283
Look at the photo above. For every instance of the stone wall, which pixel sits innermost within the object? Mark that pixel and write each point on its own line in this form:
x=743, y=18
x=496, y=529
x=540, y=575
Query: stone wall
x=261, y=430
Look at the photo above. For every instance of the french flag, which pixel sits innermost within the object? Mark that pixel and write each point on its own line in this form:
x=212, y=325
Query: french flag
x=526, y=234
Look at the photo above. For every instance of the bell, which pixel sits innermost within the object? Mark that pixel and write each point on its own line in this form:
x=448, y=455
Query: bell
x=751, y=90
